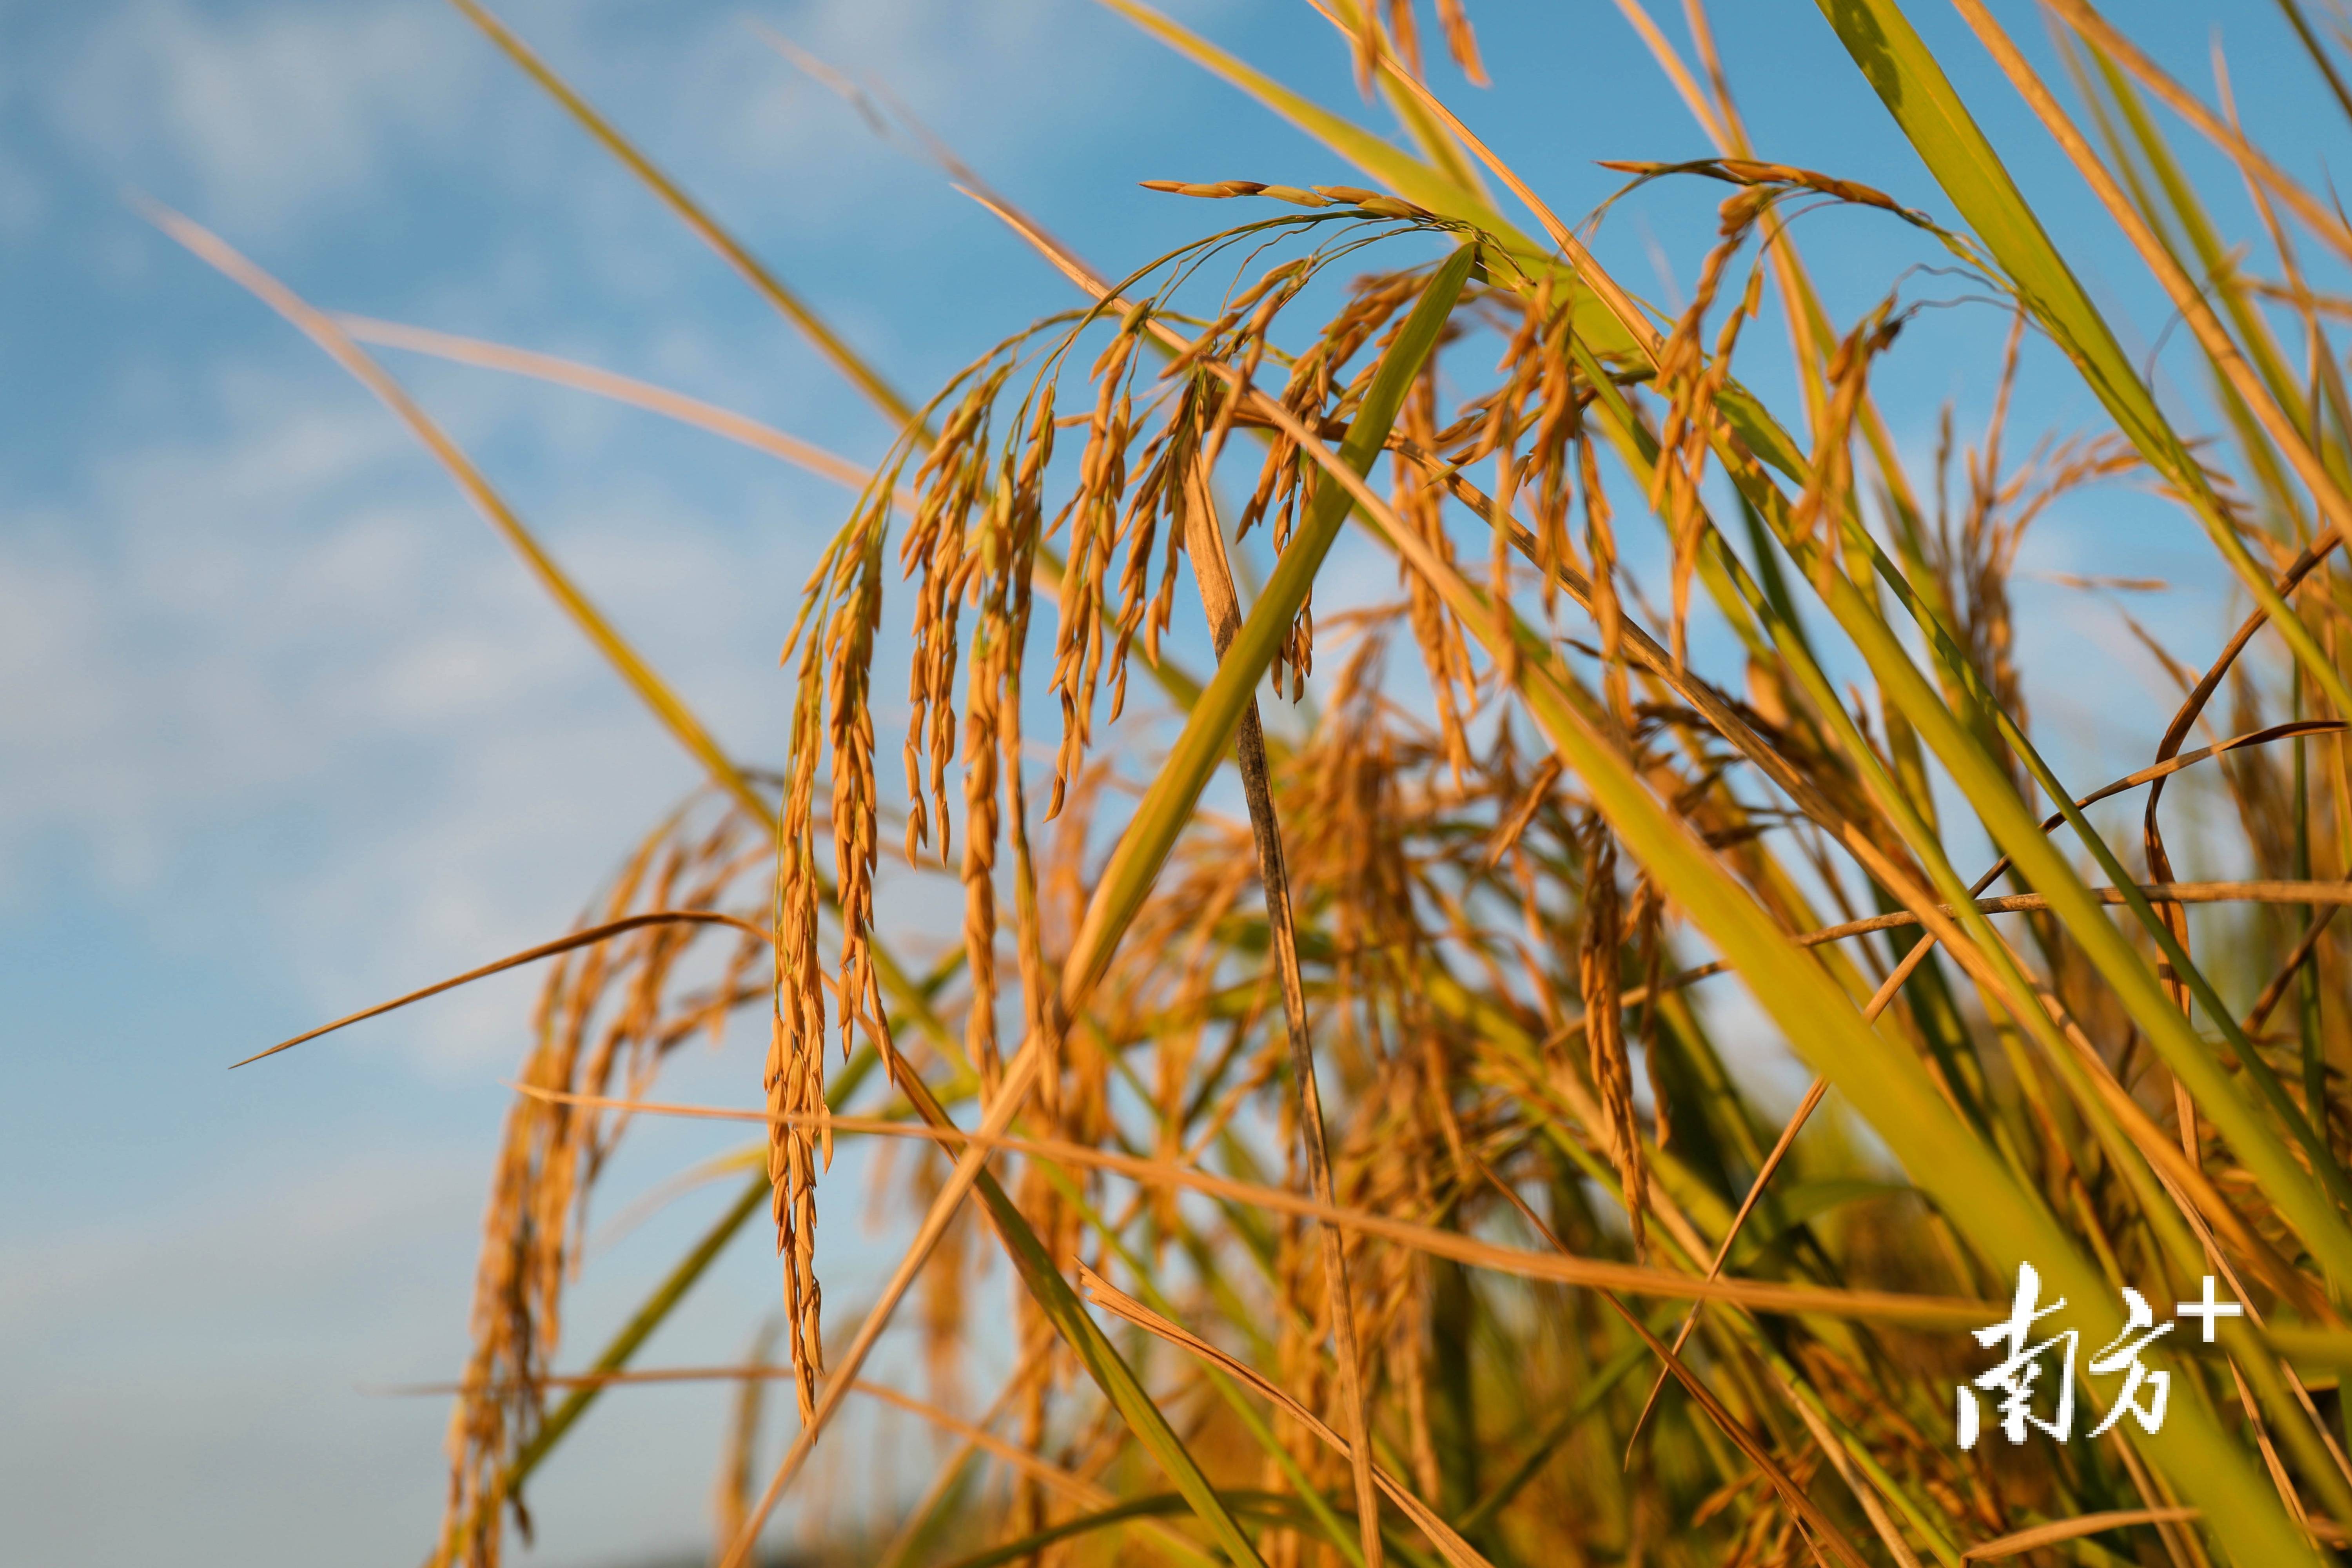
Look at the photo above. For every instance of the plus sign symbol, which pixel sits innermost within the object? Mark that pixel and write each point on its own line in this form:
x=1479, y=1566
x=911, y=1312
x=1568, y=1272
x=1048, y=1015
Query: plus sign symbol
x=2209, y=1310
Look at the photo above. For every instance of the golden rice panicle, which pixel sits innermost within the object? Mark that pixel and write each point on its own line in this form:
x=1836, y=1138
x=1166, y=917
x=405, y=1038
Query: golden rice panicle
x=832, y=713
x=1316, y=396
x=793, y=1075
x=1599, y=971
x=855, y=802
x=1092, y=519
x=1462, y=41
x=607, y=1010
x=1971, y=563
x=1828, y=489
x=951, y=483
x=1040, y=989
x=981, y=835
x=1401, y=37
x=1420, y=502
x=834, y=638
x=1005, y=550
x=1404, y=38
x=1691, y=379
x=1173, y=482
x=1352, y=816
x=1545, y=375
x=1265, y=301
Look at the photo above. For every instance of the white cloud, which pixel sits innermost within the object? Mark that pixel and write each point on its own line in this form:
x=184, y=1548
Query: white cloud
x=291, y=640
x=278, y=110
x=270, y=111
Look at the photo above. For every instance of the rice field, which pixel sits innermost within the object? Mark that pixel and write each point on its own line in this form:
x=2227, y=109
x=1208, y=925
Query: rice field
x=1340, y=1036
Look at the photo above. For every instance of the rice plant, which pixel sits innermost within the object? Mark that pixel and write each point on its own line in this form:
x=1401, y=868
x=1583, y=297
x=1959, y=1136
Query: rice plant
x=1341, y=1068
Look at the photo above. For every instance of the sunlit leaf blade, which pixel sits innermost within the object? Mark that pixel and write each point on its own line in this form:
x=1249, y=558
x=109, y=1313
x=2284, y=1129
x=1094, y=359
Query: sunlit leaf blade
x=828, y=342
x=1105, y=1365
x=641, y=677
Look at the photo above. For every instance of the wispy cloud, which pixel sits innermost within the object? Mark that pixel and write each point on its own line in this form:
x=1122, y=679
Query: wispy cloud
x=269, y=111
x=293, y=634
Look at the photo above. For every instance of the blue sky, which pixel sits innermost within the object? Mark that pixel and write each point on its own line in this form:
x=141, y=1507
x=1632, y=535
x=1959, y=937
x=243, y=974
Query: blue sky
x=284, y=729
